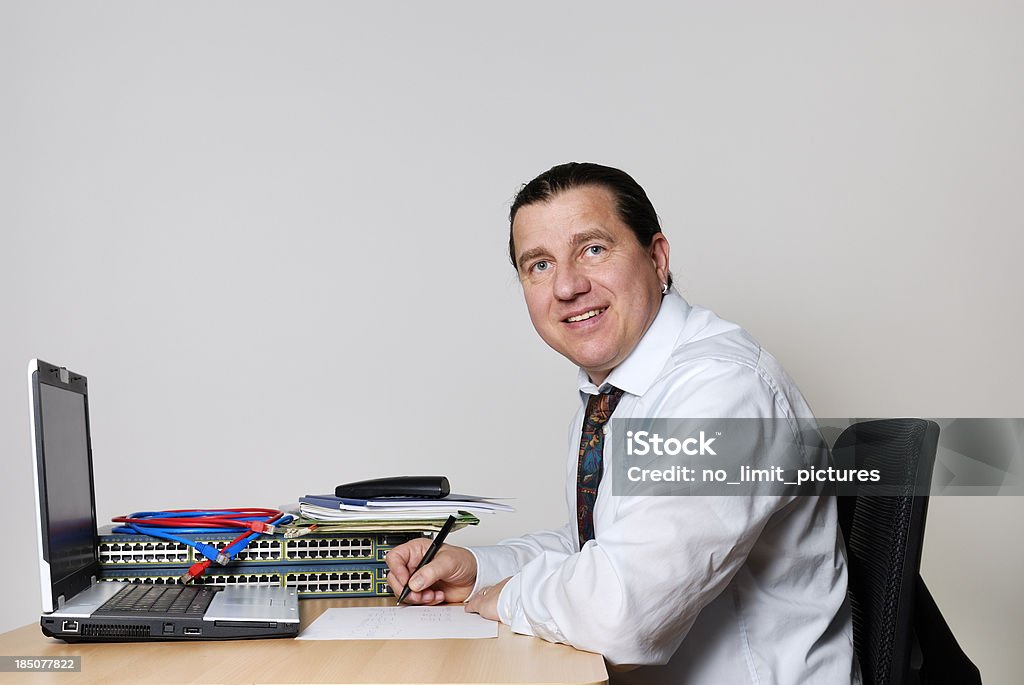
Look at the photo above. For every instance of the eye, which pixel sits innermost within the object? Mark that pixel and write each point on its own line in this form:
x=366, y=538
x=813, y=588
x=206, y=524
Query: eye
x=595, y=250
x=541, y=266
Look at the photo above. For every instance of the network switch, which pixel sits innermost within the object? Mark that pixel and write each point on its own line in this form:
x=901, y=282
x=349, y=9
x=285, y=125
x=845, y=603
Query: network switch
x=117, y=550
x=312, y=580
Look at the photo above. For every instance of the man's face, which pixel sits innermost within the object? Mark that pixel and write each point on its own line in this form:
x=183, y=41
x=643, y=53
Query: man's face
x=592, y=290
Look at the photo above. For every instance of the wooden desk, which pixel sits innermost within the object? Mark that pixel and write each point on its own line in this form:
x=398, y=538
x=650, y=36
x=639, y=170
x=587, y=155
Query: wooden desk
x=508, y=659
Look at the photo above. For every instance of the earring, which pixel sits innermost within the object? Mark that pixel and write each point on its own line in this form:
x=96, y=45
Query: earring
x=664, y=288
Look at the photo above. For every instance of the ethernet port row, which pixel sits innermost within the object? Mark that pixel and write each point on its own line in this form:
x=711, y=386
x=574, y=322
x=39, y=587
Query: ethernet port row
x=335, y=583
x=329, y=548
x=261, y=550
x=143, y=552
x=146, y=580
x=248, y=579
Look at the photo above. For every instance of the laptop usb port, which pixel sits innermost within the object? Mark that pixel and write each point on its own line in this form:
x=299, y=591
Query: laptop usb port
x=193, y=631
x=69, y=626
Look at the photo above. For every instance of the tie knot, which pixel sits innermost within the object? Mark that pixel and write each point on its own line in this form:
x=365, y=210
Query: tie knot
x=601, y=407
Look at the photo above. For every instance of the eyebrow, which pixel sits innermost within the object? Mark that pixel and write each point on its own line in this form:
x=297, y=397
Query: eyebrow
x=575, y=241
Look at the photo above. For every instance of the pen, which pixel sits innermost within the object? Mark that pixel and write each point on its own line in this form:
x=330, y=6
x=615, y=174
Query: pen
x=431, y=551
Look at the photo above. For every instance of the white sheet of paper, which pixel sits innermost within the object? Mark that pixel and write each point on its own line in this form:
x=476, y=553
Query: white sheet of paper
x=398, y=623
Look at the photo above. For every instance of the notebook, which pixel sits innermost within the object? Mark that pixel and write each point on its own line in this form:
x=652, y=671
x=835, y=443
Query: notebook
x=77, y=606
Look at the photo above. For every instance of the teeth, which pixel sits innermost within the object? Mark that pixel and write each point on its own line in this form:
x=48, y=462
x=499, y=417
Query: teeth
x=585, y=315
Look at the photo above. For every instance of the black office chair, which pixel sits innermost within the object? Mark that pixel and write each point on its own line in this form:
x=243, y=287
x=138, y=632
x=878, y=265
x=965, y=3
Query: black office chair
x=898, y=631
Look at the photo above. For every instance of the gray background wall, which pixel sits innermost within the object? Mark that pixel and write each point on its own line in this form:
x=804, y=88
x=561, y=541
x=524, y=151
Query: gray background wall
x=273, y=235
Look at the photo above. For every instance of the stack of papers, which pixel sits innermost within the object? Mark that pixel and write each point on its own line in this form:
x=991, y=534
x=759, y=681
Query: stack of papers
x=425, y=524
x=331, y=508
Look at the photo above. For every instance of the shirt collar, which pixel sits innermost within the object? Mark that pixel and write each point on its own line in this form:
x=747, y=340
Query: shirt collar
x=641, y=368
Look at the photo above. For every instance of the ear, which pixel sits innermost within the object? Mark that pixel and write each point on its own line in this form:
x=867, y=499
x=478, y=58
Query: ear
x=659, y=252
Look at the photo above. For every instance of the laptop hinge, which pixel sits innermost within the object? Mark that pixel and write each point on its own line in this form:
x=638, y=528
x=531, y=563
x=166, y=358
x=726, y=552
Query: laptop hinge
x=60, y=601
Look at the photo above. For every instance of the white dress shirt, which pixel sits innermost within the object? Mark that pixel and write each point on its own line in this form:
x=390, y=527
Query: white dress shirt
x=689, y=590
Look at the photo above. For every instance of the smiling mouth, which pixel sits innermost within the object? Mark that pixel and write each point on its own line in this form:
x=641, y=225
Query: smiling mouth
x=586, y=315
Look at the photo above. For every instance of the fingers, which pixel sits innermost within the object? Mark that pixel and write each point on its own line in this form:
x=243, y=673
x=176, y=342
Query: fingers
x=427, y=597
x=473, y=605
x=449, y=577
x=402, y=560
x=485, y=595
x=477, y=603
x=421, y=582
x=432, y=597
x=485, y=602
x=438, y=569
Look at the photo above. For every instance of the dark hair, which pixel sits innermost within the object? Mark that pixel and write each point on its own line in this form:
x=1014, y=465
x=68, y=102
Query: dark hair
x=631, y=202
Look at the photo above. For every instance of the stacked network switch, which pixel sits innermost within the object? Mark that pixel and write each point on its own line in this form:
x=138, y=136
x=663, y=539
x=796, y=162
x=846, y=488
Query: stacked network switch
x=317, y=565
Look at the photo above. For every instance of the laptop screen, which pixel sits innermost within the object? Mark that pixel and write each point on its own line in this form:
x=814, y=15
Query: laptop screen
x=66, y=510
x=68, y=492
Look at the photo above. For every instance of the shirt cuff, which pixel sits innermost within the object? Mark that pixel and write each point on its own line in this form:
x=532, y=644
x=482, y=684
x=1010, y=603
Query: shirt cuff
x=508, y=601
x=493, y=565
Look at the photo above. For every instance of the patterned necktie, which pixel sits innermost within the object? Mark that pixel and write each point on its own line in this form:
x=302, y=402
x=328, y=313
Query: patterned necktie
x=588, y=469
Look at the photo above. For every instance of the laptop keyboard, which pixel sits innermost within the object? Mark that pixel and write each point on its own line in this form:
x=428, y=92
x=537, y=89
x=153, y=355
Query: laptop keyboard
x=180, y=600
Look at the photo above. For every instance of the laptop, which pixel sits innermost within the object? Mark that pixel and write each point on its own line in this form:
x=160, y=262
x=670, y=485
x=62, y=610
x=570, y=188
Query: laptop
x=77, y=606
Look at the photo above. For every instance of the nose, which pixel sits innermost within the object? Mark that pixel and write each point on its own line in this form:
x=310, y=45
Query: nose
x=570, y=281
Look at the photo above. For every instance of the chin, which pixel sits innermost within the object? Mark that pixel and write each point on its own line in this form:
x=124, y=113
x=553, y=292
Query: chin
x=587, y=356
x=592, y=366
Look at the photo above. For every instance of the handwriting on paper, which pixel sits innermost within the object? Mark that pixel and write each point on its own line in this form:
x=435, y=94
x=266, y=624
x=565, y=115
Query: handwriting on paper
x=399, y=623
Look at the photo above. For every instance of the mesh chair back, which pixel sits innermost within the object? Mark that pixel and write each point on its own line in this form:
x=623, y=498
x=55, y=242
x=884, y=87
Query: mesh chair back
x=884, y=536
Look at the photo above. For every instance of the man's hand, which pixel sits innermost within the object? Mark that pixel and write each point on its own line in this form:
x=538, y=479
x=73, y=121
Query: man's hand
x=485, y=602
x=450, y=577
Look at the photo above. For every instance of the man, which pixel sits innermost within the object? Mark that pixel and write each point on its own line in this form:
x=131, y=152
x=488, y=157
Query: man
x=710, y=590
